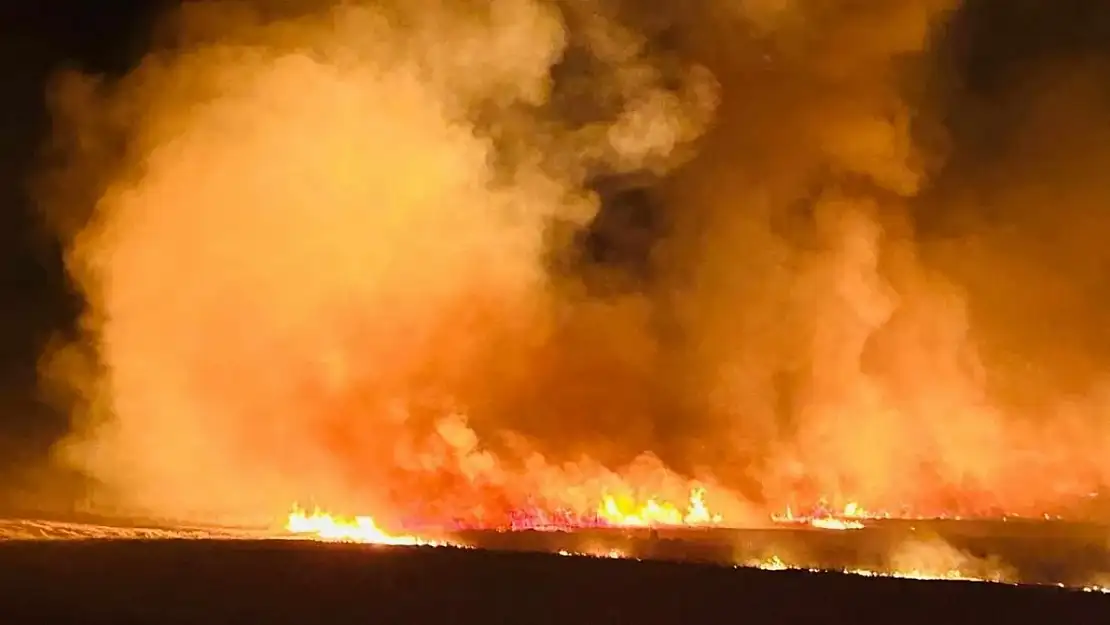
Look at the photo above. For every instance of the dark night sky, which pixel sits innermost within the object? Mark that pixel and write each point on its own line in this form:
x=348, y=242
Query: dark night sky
x=995, y=38
x=38, y=39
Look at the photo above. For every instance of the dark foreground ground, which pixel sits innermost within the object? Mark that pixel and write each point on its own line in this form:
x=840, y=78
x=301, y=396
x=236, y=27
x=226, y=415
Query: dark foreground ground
x=271, y=582
x=1040, y=552
x=1029, y=551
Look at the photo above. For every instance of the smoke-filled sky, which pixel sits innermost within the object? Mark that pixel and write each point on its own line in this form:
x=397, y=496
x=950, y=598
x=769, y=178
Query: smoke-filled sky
x=448, y=259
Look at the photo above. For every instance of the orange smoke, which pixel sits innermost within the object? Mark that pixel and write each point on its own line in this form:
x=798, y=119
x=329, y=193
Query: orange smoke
x=336, y=257
x=318, y=276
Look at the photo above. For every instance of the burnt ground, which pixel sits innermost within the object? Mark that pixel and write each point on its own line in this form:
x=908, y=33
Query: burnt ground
x=263, y=582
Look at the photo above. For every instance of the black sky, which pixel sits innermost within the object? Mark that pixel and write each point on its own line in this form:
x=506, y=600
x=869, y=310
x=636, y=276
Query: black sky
x=987, y=47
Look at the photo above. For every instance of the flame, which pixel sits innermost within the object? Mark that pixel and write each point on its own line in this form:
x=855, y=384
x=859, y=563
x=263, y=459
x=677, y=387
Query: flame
x=611, y=512
x=360, y=529
x=625, y=512
x=847, y=518
x=832, y=523
x=776, y=563
x=611, y=554
x=323, y=526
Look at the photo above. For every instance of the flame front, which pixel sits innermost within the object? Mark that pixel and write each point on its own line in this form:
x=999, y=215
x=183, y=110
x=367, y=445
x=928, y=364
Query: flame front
x=624, y=512
x=360, y=529
x=847, y=518
x=611, y=512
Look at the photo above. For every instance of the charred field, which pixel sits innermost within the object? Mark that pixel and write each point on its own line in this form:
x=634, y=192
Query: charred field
x=679, y=576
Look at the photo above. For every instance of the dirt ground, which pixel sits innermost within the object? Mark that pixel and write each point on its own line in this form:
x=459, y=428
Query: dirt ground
x=269, y=582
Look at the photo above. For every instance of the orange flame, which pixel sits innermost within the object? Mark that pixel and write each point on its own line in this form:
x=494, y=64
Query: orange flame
x=360, y=529
x=848, y=518
x=833, y=523
x=625, y=512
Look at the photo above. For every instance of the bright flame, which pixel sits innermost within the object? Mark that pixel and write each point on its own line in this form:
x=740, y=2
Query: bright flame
x=625, y=512
x=832, y=523
x=360, y=529
x=825, y=518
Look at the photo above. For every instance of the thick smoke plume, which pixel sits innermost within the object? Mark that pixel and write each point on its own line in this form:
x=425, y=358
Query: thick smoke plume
x=334, y=253
x=849, y=315
x=318, y=268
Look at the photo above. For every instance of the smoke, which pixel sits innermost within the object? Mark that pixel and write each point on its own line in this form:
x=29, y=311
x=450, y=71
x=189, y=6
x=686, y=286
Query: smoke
x=852, y=328
x=812, y=328
x=932, y=558
x=335, y=253
x=323, y=247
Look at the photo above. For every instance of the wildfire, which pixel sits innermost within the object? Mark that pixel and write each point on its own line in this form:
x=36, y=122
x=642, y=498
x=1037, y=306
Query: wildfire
x=612, y=511
x=360, y=529
x=624, y=512
x=925, y=562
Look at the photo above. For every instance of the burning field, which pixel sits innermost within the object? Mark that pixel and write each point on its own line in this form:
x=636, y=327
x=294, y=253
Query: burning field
x=582, y=277
x=1012, y=552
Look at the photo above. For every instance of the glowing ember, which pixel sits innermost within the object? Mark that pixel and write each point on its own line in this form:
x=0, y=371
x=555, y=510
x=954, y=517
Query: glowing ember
x=624, y=512
x=952, y=574
x=775, y=563
x=360, y=529
x=612, y=554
